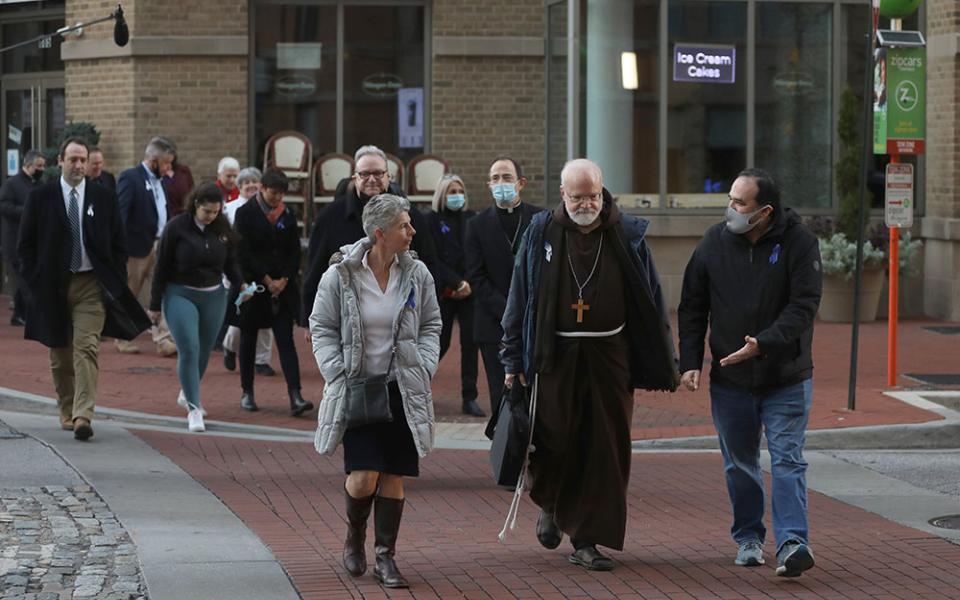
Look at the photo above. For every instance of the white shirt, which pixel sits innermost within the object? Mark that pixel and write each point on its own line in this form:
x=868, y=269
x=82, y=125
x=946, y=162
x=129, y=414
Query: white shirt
x=230, y=208
x=377, y=311
x=65, y=187
x=159, y=197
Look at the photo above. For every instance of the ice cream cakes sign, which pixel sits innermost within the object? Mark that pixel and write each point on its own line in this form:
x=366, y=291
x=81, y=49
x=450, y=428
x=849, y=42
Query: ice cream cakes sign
x=699, y=63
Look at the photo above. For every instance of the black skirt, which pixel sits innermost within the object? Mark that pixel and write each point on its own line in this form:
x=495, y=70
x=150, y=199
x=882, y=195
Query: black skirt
x=383, y=447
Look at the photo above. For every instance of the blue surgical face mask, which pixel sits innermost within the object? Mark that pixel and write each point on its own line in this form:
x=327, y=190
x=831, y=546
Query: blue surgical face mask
x=456, y=201
x=504, y=194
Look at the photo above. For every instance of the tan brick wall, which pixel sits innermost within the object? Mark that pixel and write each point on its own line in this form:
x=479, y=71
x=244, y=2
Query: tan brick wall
x=488, y=18
x=200, y=102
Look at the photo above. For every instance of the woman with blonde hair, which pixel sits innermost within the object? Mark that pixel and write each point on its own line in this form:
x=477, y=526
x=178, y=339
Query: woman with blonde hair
x=448, y=228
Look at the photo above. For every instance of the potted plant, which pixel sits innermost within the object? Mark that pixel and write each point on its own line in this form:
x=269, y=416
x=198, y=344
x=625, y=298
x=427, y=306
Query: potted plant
x=838, y=245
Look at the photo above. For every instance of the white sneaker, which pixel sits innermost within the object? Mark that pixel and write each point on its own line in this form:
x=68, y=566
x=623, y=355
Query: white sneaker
x=182, y=401
x=195, y=420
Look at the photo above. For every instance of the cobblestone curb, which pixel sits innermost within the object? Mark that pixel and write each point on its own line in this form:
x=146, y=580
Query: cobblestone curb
x=60, y=543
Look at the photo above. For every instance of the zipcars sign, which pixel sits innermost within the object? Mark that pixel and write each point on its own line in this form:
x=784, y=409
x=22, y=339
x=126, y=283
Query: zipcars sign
x=704, y=64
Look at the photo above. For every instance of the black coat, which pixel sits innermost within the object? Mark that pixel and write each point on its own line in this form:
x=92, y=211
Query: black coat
x=266, y=249
x=13, y=195
x=340, y=223
x=449, y=232
x=138, y=211
x=105, y=179
x=489, y=269
x=44, y=250
x=770, y=291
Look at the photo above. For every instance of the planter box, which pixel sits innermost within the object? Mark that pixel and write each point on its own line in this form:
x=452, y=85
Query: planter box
x=836, y=304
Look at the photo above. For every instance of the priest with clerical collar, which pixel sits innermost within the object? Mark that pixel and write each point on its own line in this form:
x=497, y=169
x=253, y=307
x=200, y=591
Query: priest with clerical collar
x=586, y=318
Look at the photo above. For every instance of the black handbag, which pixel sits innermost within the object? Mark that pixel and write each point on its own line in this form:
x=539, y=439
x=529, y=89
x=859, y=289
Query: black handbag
x=367, y=399
x=511, y=436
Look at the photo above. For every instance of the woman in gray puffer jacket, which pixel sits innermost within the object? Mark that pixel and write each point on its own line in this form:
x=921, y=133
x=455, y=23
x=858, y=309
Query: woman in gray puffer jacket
x=376, y=312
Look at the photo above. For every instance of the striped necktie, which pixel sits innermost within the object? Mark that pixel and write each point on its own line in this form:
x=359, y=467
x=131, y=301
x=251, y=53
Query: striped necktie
x=74, y=214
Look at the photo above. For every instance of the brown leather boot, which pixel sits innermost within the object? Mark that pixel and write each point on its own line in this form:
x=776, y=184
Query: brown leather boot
x=354, y=553
x=386, y=525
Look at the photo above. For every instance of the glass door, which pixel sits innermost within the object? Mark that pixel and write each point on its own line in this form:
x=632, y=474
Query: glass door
x=34, y=114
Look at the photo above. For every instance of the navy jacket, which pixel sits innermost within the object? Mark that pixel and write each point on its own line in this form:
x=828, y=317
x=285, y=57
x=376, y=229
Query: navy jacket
x=652, y=357
x=138, y=210
x=770, y=291
x=449, y=230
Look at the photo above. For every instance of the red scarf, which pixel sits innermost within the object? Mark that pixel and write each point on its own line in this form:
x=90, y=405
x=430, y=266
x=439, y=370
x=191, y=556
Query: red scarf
x=272, y=214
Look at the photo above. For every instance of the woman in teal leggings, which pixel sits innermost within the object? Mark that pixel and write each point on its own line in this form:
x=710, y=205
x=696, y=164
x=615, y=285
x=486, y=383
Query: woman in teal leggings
x=196, y=252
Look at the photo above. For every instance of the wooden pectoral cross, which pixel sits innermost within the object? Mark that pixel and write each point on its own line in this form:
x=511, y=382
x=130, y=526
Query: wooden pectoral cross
x=580, y=306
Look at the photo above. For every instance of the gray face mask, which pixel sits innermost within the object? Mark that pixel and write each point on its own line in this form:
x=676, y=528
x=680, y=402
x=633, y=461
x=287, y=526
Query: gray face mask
x=738, y=222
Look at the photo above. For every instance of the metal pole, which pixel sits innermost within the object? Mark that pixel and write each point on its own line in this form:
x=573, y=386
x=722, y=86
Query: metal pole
x=862, y=215
x=60, y=31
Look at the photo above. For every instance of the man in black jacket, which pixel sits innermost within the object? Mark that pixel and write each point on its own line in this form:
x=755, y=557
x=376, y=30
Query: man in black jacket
x=13, y=195
x=339, y=223
x=757, y=281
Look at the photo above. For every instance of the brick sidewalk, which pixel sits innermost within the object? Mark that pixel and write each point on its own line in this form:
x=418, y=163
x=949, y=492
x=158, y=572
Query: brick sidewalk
x=148, y=383
x=677, y=541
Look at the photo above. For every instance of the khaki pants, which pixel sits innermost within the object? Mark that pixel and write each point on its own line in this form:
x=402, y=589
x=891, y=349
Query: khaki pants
x=140, y=282
x=75, y=369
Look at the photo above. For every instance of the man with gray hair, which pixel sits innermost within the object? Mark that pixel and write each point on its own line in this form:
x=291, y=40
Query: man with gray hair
x=585, y=325
x=13, y=195
x=340, y=223
x=227, y=171
x=143, y=212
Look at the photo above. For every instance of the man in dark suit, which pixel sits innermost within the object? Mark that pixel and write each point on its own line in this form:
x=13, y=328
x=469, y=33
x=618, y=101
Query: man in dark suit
x=73, y=266
x=143, y=212
x=339, y=223
x=97, y=173
x=13, y=195
x=492, y=240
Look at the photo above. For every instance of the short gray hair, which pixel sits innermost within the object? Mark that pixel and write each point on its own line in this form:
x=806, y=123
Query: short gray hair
x=381, y=211
x=227, y=162
x=367, y=150
x=159, y=146
x=247, y=174
x=31, y=156
x=581, y=165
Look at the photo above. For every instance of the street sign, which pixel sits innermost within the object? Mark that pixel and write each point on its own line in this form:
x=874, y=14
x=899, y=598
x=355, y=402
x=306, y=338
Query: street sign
x=898, y=208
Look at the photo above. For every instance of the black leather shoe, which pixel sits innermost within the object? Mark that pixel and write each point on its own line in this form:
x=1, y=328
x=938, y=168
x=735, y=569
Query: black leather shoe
x=17, y=321
x=229, y=360
x=265, y=370
x=247, y=403
x=297, y=404
x=590, y=558
x=547, y=531
x=470, y=407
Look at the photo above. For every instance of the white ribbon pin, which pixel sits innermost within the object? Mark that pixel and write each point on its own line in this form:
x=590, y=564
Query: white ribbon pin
x=90, y=211
x=549, y=250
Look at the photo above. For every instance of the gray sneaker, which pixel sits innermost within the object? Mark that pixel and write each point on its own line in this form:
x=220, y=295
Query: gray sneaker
x=750, y=554
x=793, y=559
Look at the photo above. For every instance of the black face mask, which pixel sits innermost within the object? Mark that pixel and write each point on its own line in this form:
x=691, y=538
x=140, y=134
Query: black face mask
x=38, y=175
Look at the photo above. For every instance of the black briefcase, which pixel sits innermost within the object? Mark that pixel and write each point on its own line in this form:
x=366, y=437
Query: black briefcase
x=511, y=435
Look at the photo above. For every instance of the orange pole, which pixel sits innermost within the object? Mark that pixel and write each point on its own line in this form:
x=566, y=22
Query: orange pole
x=892, y=303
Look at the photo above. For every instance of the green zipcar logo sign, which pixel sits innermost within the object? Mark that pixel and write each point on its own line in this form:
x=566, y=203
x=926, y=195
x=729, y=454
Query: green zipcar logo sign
x=907, y=95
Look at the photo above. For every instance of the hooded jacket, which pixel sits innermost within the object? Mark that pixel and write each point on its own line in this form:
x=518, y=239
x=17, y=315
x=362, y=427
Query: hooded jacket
x=336, y=328
x=769, y=290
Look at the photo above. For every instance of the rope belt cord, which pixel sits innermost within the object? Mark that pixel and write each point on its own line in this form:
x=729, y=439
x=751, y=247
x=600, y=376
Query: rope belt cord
x=591, y=334
x=511, y=522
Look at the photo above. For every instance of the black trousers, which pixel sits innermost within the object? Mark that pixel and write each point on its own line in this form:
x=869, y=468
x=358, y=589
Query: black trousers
x=283, y=334
x=495, y=374
x=461, y=310
x=19, y=306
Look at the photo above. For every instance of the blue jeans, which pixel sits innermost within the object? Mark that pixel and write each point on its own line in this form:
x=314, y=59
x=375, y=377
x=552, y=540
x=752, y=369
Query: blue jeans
x=782, y=414
x=194, y=318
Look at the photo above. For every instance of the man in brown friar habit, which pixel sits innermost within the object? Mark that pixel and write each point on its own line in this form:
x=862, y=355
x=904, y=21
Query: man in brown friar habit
x=586, y=318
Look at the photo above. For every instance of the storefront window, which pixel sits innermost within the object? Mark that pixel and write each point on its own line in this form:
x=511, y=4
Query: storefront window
x=707, y=118
x=36, y=57
x=794, y=119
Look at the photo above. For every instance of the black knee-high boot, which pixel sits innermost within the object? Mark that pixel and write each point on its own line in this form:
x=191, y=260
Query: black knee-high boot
x=354, y=553
x=386, y=524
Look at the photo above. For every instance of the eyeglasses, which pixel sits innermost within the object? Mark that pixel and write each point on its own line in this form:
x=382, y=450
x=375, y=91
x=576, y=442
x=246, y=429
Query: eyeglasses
x=587, y=198
x=370, y=174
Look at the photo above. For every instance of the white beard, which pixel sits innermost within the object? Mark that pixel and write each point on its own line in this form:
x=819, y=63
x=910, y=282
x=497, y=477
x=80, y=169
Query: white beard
x=583, y=219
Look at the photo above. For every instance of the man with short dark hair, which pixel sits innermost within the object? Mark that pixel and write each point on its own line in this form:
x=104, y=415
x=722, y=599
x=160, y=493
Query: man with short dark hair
x=13, y=195
x=73, y=262
x=339, y=224
x=492, y=240
x=143, y=212
x=97, y=173
x=755, y=280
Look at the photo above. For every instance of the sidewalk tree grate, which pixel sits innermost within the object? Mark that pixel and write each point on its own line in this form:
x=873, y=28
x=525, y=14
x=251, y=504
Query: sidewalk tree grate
x=935, y=378
x=148, y=370
x=947, y=522
x=944, y=329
